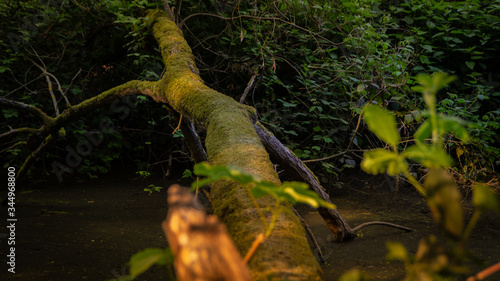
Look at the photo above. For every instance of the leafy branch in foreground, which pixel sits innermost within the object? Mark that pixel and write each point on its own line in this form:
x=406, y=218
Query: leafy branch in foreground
x=431, y=261
x=292, y=192
x=143, y=260
x=431, y=155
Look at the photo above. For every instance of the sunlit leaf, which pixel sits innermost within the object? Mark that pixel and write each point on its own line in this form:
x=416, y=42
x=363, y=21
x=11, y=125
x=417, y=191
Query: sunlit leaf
x=143, y=260
x=354, y=275
x=265, y=188
x=452, y=124
x=381, y=123
x=301, y=193
x=484, y=198
x=433, y=83
x=444, y=200
x=424, y=131
x=429, y=156
x=397, y=251
x=293, y=192
x=383, y=161
x=445, y=125
x=215, y=172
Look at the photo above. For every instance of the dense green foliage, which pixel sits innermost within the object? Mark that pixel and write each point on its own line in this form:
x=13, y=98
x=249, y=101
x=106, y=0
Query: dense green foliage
x=318, y=62
x=89, y=47
x=314, y=81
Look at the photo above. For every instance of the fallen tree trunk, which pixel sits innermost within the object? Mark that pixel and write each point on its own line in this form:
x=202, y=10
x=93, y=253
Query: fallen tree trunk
x=232, y=141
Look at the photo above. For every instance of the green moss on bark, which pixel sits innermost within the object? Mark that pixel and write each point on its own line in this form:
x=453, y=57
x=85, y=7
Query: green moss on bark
x=232, y=141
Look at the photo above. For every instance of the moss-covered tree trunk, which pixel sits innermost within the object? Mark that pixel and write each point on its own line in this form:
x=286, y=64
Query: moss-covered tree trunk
x=231, y=140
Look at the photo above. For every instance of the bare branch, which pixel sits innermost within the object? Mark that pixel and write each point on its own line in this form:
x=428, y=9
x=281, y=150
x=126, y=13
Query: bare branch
x=52, y=96
x=49, y=83
x=24, y=106
x=23, y=85
x=250, y=85
x=33, y=156
x=14, y=145
x=20, y=130
x=363, y=225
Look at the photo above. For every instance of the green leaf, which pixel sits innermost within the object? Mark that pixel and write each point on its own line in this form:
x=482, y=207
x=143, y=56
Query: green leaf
x=452, y=124
x=143, y=260
x=470, y=64
x=293, y=192
x=397, y=251
x=424, y=131
x=299, y=192
x=287, y=104
x=215, y=172
x=432, y=84
x=445, y=125
x=484, y=198
x=381, y=123
x=265, y=188
x=444, y=200
x=427, y=47
x=381, y=160
x=354, y=275
x=429, y=156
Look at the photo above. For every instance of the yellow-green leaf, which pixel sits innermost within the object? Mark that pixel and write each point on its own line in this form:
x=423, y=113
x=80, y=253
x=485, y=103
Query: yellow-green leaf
x=396, y=251
x=429, y=156
x=354, y=275
x=484, y=198
x=382, y=123
x=143, y=260
x=383, y=161
x=444, y=200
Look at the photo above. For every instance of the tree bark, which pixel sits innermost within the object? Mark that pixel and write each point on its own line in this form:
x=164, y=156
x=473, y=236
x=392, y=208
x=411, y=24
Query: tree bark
x=232, y=141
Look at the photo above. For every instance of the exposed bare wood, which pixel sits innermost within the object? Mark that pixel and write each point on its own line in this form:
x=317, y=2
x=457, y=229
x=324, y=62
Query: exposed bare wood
x=200, y=244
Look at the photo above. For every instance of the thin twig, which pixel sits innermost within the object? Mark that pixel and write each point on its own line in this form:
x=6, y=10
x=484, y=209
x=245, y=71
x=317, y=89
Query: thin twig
x=363, y=225
x=178, y=125
x=332, y=156
x=49, y=83
x=20, y=130
x=485, y=273
x=313, y=238
x=255, y=245
x=259, y=18
x=14, y=145
x=250, y=85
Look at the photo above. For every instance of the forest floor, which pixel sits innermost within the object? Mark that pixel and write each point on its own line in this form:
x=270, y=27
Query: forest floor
x=89, y=231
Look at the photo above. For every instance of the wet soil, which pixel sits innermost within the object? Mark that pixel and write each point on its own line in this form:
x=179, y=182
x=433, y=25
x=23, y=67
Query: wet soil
x=89, y=231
